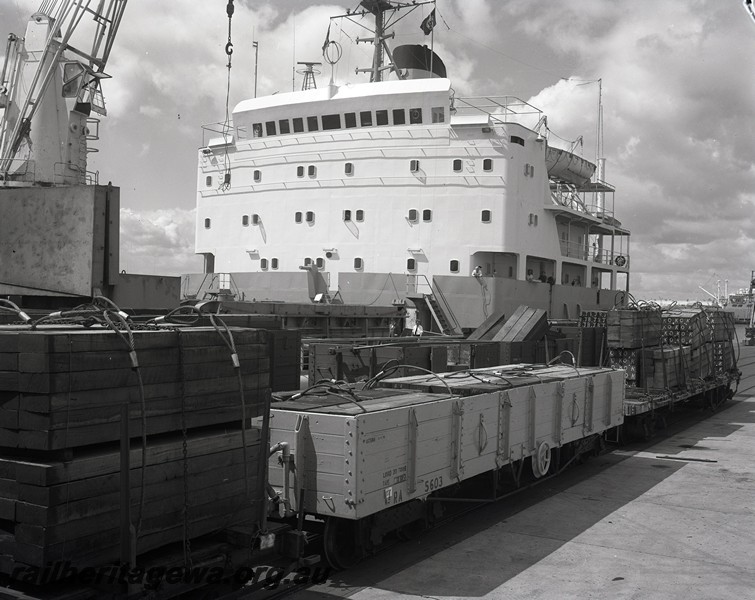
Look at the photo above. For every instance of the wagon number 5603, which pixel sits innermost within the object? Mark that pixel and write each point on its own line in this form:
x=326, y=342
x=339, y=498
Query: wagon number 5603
x=434, y=484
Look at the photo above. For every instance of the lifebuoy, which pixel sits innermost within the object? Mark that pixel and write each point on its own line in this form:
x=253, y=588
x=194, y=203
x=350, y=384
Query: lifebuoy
x=620, y=261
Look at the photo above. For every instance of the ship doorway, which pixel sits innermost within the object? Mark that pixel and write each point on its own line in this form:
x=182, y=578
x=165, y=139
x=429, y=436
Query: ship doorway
x=573, y=274
x=495, y=264
x=540, y=269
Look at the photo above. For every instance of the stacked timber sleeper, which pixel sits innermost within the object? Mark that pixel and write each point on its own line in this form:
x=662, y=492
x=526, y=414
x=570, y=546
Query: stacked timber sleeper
x=61, y=395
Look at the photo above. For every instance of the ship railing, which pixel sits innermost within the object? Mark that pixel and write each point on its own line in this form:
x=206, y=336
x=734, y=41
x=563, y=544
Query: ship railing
x=211, y=131
x=593, y=254
x=501, y=109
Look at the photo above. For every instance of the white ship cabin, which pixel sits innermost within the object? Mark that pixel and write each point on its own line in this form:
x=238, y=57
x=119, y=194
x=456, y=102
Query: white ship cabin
x=380, y=191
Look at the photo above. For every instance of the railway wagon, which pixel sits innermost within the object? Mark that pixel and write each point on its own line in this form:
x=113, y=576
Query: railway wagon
x=364, y=462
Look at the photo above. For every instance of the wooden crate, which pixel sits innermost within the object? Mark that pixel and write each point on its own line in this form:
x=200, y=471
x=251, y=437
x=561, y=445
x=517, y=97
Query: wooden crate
x=633, y=328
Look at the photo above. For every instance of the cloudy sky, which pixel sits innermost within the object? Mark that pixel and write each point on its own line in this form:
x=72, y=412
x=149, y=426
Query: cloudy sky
x=678, y=94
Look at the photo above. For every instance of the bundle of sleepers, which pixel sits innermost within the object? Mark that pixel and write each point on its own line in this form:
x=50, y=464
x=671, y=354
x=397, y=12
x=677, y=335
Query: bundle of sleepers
x=62, y=392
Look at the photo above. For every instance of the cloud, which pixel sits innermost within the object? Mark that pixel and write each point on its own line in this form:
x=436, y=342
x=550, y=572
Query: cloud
x=678, y=106
x=158, y=242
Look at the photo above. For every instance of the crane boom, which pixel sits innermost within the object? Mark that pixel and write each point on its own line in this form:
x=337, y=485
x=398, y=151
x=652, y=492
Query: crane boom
x=50, y=85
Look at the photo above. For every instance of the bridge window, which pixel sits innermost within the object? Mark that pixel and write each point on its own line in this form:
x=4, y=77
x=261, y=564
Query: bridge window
x=454, y=265
x=365, y=118
x=399, y=116
x=415, y=116
x=257, y=130
x=515, y=139
x=312, y=124
x=350, y=120
x=331, y=121
x=439, y=114
x=298, y=125
x=270, y=128
x=284, y=126
x=381, y=117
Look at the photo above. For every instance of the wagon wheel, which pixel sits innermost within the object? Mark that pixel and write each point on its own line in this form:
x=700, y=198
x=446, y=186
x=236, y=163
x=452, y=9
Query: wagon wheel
x=541, y=460
x=340, y=543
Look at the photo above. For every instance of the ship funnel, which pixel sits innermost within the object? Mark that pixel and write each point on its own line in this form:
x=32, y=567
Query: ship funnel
x=418, y=62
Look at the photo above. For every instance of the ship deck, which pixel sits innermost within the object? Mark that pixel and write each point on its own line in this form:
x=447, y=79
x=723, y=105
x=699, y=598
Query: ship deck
x=673, y=519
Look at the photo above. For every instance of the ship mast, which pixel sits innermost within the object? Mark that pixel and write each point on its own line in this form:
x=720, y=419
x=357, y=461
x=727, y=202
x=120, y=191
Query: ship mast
x=382, y=11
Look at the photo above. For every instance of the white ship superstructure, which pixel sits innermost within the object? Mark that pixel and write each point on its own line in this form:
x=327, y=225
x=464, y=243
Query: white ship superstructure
x=385, y=187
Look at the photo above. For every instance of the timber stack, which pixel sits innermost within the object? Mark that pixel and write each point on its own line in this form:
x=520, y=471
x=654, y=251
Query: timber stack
x=62, y=393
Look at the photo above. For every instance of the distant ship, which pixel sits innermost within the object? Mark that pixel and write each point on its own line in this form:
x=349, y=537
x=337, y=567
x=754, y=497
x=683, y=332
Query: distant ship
x=396, y=190
x=741, y=303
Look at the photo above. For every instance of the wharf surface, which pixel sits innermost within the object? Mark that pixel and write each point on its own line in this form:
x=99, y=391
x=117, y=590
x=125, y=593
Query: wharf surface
x=670, y=519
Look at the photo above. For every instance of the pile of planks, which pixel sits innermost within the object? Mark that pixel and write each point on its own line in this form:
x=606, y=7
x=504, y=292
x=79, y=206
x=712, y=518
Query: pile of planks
x=520, y=336
x=62, y=392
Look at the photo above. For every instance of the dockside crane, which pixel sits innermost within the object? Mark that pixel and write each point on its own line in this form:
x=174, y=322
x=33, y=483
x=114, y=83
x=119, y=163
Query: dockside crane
x=49, y=88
